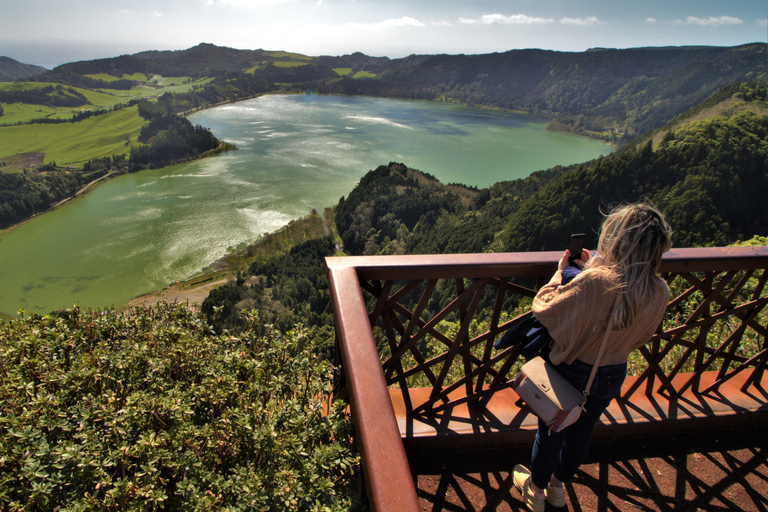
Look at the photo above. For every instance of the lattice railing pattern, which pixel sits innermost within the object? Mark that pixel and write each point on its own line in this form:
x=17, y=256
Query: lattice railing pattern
x=716, y=320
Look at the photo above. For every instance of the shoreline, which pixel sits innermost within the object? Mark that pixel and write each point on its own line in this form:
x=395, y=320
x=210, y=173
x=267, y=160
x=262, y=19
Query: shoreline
x=224, y=147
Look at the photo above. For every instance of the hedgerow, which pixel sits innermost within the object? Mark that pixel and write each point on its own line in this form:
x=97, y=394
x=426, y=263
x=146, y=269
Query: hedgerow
x=150, y=410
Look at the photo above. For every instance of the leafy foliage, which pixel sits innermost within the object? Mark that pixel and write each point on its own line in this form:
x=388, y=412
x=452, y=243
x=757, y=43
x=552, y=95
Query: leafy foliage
x=287, y=289
x=149, y=410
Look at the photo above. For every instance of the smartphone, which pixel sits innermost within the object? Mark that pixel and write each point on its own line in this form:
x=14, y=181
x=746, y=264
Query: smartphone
x=575, y=247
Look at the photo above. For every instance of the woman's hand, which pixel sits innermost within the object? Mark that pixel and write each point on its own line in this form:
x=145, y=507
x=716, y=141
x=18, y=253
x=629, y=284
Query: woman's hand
x=585, y=255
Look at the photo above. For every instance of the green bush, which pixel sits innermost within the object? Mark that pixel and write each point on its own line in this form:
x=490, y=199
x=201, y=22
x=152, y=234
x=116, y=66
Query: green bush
x=149, y=410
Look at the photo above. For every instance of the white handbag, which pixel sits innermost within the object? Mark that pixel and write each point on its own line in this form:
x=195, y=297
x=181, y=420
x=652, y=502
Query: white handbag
x=553, y=399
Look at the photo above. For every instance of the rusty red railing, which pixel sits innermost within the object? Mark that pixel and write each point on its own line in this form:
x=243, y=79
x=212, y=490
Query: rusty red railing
x=425, y=311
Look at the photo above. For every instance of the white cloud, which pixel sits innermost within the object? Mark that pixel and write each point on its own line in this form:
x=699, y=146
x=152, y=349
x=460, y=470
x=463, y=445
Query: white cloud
x=762, y=22
x=405, y=21
x=650, y=20
x=248, y=3
x=589, y=20
x=712, y=21
x=154, y=14
x=501, y=19
x=441, y=23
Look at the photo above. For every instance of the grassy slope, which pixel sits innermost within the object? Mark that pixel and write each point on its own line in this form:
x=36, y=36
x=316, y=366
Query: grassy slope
x=139, y=77
x=23, y=112
x=75, y=143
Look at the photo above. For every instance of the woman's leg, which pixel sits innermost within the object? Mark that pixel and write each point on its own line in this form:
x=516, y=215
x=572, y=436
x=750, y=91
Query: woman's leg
x=546, y=453
x=606, y=387
x=576, y=445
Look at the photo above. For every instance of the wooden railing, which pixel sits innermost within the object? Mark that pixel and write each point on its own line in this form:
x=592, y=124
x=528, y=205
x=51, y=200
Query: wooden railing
x=424, y=310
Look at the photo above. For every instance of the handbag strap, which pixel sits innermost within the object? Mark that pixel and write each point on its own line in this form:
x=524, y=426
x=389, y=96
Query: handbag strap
x=602, y=348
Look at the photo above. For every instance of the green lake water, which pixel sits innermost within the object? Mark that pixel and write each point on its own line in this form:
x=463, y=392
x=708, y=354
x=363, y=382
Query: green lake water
x=138, y=233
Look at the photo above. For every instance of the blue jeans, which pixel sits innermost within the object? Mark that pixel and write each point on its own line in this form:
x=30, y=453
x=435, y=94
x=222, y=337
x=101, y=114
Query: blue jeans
x=561, y=453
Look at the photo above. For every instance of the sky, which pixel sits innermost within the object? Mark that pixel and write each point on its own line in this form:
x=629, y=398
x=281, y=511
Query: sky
x=52, y=32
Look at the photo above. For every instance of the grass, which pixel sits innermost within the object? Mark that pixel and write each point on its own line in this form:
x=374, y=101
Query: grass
x=289, y=64
x=343, y=71
x=25, y=112
x=75, y=143
x=364, y=74
x=138, y=77
x=287, y=55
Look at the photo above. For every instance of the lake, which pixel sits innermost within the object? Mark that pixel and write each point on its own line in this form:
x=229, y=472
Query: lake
x=138, y=233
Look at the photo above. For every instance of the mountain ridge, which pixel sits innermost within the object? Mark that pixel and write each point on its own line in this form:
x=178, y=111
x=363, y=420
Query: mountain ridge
x=610, y=94
x=11, y=69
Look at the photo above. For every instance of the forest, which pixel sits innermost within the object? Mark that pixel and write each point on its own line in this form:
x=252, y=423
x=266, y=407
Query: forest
x=708, y=177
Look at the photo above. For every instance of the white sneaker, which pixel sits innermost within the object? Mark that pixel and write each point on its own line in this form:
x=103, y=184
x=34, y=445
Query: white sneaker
x=555, y=496
x=534, y=501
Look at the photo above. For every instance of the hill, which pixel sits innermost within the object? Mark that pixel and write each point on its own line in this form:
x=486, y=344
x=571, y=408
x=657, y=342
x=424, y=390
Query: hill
x=607, y=93
x=612, y=94
x=11, y=70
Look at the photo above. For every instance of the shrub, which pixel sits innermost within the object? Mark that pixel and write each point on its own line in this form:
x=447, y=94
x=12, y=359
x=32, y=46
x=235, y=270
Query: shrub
x=149, y=410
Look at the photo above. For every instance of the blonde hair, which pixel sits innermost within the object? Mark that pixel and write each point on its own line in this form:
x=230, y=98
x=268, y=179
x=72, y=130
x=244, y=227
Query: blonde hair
x=633, y=239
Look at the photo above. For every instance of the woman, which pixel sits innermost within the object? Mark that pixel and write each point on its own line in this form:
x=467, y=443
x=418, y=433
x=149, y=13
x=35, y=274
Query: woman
x=632, y=241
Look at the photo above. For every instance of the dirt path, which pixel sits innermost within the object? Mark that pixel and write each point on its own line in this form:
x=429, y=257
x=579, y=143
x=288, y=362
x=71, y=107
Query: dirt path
x=181, y=292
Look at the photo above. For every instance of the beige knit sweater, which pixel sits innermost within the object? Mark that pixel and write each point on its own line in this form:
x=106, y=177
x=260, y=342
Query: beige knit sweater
x=577, y=314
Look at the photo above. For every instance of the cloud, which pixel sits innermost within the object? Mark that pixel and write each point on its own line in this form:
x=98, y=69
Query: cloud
x=441, y=23
x=650, y=20
x=248, y=3
x=589, y=20
x=712, y=21
x=501, y=19
x=762, y=22
x=405, y=21
x=154, y=14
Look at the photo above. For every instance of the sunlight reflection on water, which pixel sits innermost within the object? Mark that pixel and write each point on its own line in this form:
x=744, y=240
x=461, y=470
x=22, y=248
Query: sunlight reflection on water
x=137, y=233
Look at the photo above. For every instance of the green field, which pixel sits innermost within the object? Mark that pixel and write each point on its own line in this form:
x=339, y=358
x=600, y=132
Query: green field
x=343, y=71
x=283, y=64
x=75, y=143
x=287, y=55
x=25, y=112
x=138, y=77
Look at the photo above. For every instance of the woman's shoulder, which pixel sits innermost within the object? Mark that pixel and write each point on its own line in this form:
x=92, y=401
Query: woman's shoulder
x=661, y=287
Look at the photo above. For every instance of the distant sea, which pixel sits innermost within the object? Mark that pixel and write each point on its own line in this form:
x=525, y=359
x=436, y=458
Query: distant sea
x=50, y=54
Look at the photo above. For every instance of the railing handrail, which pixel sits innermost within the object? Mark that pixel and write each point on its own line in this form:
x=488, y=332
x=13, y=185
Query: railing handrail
x=515, y=264
x=385, y=465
